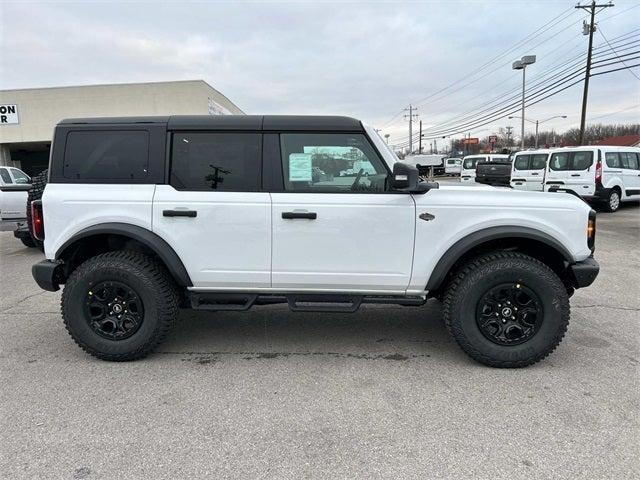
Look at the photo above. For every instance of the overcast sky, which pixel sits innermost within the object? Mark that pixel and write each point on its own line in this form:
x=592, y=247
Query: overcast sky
x=364, y=59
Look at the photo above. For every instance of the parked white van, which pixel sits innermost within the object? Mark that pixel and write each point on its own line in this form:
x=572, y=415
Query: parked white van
x=601, y=174
x=453, y=166
x=528, y=170
x=468, y=171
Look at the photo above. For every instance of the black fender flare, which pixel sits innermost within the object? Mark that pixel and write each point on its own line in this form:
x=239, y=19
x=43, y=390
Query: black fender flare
x=465, y=244
x=151, y=240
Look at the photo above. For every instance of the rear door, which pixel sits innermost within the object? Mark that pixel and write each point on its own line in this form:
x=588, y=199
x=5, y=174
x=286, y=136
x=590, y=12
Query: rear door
x=520, y=172
x=535, y=174
x=213, y=213
x=336, y=227
x=581, y=173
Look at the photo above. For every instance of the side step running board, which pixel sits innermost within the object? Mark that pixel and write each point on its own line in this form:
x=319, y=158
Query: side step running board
x=298, y=302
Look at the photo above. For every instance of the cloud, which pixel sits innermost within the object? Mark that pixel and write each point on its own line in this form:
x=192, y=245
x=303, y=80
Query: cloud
x=363, y=59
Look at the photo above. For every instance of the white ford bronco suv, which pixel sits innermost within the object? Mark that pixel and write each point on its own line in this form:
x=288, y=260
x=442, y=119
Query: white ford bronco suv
x=143, y=216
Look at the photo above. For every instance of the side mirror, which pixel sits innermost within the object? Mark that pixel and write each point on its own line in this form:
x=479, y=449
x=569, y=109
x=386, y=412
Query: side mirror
x=405, y=178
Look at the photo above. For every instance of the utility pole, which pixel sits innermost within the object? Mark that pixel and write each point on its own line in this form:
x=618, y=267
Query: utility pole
x=509, y=128
x=588, y=30
x=435, y=146
x=411, y=116
x=420, y=139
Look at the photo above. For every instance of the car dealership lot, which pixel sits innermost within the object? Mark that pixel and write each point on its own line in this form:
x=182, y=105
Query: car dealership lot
x=269, y=393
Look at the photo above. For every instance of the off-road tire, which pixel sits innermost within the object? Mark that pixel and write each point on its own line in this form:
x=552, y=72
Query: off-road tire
x=151, y=282
x=608, y=207
x=470, y=282
x=28, y=241
x=38, y=183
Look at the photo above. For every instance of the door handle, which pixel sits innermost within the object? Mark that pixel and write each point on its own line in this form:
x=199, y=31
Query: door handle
x=180, y=213
x=292, y=215
x=575, y=174
x=535, y=173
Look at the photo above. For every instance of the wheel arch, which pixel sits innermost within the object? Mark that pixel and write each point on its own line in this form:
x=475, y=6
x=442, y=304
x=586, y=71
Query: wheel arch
x=120, y=236
x=533, y=242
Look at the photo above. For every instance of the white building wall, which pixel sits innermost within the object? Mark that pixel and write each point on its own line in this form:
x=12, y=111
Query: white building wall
x=40, y=109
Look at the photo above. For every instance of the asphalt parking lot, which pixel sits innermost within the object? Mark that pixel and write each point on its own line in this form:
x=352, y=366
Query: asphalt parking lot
x=384, y=393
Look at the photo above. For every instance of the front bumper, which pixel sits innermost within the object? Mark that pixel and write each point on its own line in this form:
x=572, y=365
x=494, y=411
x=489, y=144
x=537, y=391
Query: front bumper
x=584, y=272
x=47, y=275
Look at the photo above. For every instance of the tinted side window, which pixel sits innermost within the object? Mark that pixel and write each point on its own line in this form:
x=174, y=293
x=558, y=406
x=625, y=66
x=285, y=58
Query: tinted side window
x=559, y=161
x=105, y=155
x=521, y=162
x=4, y=173
x=581, y=160
x=216, y=161
x=632, y=160
x=612, y=159
x=538, y=162
x=331, y=162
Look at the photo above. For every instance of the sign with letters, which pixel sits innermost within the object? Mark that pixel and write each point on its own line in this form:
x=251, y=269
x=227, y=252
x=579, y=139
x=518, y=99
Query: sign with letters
x=300, y=167
x=9, y=114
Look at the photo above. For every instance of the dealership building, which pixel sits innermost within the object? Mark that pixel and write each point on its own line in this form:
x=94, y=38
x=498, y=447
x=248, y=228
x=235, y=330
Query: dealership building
x=28, y=116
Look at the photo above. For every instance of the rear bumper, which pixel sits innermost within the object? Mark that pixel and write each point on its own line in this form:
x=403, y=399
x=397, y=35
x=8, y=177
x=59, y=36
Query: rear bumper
x=46, y=274
x=584, y=272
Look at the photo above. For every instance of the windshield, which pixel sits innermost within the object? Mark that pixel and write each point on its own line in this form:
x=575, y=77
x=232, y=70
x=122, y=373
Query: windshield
x=471, y=162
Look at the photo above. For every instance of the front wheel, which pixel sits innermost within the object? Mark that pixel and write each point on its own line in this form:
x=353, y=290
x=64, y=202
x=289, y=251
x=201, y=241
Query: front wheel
x=119, y=306
x=506, y=309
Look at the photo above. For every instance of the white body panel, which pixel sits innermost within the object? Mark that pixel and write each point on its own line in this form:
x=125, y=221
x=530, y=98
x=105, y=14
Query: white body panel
x=529, y=179
x=70, y=208
x=424, y=160
x=468, y=172
x=583, y=182
x=453, y=166
x=359, y=242
x=228, y=244
x=562, y=217
x=13, y=205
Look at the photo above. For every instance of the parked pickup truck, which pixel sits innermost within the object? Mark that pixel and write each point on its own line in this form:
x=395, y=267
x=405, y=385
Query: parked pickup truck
x=142, y=216
x=496, y=172
x=14, y=185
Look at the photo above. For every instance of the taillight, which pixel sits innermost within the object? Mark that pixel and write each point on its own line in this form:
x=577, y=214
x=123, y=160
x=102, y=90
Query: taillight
x=37, y=220
x=599, y=172
x=591, y=231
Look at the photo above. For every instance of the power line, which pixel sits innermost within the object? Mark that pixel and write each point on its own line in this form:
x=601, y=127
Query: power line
x=614, y=51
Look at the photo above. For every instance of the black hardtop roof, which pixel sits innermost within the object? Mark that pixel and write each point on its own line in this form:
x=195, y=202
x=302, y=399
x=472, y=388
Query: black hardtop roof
x=232, y=122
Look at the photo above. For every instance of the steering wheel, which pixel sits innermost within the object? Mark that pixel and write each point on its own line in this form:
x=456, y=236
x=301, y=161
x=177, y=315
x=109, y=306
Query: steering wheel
x=354, y=185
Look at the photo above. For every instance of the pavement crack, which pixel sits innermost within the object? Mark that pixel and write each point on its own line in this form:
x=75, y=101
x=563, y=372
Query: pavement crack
x=250, y=355
x=630, y=309
x=42, y=292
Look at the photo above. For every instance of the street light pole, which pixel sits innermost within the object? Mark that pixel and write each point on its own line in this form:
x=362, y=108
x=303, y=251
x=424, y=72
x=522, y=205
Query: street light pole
x=537, y=134
x=522, y=65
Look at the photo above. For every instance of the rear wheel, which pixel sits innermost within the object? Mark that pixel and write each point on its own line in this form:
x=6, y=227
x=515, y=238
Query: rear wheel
x=506, y=309
x=613, y=201
x=119, y=305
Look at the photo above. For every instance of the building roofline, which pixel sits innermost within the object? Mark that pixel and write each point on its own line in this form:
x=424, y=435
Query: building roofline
x=108, y=85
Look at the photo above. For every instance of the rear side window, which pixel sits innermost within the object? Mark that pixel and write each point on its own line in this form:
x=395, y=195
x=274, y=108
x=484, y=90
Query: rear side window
x=538, y=162
x=612, y=159
x=204, y=161
x=470, y=163
x=571, y=161
x=106, y=155
x=521, y=162
x=4, y=174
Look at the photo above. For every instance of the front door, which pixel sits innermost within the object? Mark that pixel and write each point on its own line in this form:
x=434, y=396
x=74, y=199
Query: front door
x=336, y=227
x=213, y=213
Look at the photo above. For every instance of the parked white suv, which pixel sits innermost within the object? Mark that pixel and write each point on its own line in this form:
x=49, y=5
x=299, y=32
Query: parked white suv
x=528, y=170
x=469, y=163
x=599, y=174
x=142, y=216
